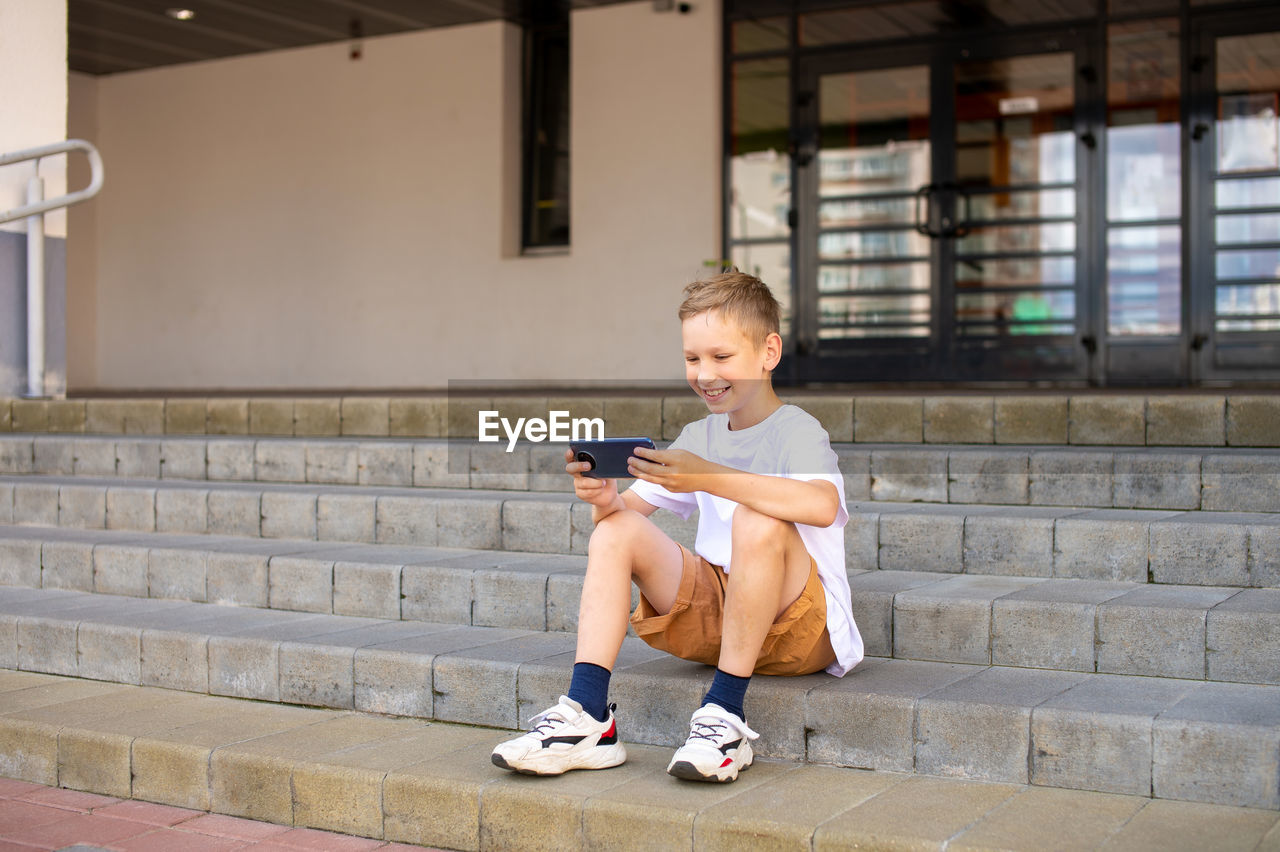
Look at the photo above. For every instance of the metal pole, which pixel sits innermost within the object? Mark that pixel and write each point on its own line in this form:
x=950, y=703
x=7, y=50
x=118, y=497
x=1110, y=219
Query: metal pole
x=35, y=291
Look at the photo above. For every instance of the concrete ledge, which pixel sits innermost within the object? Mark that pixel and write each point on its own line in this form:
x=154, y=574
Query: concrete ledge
x=432, y=783
x=1189, y=631
x=1211, y=420
x=1000, y=724
x=1234, y=480
x=1163, y=546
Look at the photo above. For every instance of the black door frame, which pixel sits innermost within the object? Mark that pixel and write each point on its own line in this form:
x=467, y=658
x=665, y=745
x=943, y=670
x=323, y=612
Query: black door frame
x=939, y=356
x=1256, y=354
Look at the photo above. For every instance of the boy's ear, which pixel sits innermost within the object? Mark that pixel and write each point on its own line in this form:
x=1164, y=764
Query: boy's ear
x=773, y=350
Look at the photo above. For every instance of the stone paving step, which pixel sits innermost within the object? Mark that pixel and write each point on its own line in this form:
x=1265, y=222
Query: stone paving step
x=1169, y=738
x=1194, y=632
x=1134, y=545
x=37, y=818
x=432, y=783
x=1223, y=479
x=1089, y=417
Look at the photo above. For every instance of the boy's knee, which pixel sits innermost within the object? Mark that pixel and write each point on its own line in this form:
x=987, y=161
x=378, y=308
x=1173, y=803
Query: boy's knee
x=754, y=529
x=617, y=530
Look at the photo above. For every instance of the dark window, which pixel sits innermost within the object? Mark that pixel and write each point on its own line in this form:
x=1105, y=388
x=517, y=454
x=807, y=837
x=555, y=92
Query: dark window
x=546, y=124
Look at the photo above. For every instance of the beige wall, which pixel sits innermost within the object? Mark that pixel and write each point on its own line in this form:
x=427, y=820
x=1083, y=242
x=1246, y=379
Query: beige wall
x=299, y=220
x=33, y=100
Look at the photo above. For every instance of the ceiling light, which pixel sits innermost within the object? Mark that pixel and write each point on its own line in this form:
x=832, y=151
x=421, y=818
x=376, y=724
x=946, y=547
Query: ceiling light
x=180, y=14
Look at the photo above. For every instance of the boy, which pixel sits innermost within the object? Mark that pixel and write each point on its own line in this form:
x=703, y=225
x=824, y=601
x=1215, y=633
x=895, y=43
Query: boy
x=766, y=591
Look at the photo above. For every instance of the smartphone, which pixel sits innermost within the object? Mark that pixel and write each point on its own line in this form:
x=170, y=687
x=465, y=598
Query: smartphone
x=608, y=456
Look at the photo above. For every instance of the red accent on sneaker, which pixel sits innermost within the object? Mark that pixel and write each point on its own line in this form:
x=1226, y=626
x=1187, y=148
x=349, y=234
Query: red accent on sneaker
x=613, y=730
x=727, y=761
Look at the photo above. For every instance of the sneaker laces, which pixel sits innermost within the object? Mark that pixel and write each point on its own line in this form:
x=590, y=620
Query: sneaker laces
x=547, y=721
x=700, y=730
x=554, y=717
x=711, y=721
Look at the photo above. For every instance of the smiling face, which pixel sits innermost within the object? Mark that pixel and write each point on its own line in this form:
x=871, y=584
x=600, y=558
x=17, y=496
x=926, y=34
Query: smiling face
x=729, y=370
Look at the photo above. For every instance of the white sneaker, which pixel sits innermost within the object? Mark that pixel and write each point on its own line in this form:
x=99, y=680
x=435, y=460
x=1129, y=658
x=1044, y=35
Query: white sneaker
x=717, y=749
x=562, y=738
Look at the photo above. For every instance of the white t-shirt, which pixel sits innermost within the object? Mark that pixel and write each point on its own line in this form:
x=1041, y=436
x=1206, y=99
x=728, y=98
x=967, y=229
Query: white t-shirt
x=791, y=443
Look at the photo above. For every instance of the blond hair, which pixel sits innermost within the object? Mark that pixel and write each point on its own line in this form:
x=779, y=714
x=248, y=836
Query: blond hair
x=743, y=299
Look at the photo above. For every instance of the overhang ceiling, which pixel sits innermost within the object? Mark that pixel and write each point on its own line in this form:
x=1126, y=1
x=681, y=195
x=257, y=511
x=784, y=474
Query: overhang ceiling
x=110, y=36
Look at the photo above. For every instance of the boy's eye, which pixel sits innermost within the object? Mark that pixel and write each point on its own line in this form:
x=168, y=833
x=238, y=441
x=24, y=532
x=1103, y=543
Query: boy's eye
x=722, y=357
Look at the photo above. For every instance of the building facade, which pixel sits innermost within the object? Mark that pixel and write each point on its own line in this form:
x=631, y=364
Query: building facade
x=1075, y=192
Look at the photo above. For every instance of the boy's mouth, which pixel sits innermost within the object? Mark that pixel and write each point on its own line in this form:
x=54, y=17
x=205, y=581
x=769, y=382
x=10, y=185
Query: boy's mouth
x=714, y=393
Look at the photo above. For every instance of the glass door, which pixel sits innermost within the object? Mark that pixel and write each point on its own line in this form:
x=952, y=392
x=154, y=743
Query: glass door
x=1235, y=133
x=1014, y=302
x=869, y=273
x=940, y=227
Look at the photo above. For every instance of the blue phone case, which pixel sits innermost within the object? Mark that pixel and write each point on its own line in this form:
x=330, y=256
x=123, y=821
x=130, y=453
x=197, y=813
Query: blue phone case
x=608, y=456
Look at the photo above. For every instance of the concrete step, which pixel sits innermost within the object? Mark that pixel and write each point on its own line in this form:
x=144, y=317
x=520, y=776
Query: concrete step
x=1171, y=738
x=1192, y=547
x=1193, y=632
x=1084, y=417
x=1172, y=478
x=432, y=784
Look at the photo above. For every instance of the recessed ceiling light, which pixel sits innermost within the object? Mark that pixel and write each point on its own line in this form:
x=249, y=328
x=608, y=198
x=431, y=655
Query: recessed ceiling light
x=180, y=14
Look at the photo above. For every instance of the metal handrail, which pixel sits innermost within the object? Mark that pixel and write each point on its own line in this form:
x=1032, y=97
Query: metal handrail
x=33, y=211
x=95, y=180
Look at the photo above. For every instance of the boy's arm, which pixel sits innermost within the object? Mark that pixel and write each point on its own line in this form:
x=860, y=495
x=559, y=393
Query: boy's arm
x=625, y=500
x=814, y=502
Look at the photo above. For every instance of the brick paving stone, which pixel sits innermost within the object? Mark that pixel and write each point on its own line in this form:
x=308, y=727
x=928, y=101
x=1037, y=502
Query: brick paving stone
x=310, y=838
x=78, y=828
x=221, y=825
x=172, y=840
x=147, y=812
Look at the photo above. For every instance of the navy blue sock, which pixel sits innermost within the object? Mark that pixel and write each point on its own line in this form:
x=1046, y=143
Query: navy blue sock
x=728, y=691
x=590, y=688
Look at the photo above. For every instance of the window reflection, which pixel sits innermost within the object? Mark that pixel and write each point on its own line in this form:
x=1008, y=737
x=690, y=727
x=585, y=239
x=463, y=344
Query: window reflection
x=1014, y=120
x=1144, y=179
x=771, y=263
x=1247, y=263
x=1144, y=280
x=1248, y=82
x=759, y=168
x=874, y=276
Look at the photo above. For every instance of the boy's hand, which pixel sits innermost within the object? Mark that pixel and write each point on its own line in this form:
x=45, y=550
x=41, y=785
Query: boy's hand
x=598, y=492
x=678, y=471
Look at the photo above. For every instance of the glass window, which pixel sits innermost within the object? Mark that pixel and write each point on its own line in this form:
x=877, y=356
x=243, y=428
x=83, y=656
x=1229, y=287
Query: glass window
x=762, y=34
x=1014, y=120
x=771, y=263
x=1144, y=280
x=1248, y=94
x=759, y=166
x=546, y=129
x=1144, y=179
x=902, y=19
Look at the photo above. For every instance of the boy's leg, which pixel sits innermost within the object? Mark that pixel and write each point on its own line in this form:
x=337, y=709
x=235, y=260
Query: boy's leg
x=769, y=569
x=625, y=547
x=768, y=572
x=580, y=732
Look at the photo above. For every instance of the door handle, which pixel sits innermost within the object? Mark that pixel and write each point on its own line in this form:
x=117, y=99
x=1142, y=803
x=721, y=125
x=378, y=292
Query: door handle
x=950, y=228
x=1090, y=343
x=1198, y=132
x=1198, y=342
x=924, y=225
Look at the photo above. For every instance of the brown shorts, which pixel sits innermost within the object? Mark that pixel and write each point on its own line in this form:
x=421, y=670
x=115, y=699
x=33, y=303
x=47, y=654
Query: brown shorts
x=796, y=644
